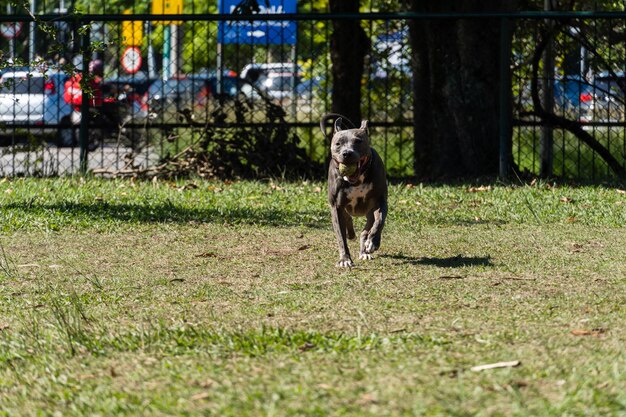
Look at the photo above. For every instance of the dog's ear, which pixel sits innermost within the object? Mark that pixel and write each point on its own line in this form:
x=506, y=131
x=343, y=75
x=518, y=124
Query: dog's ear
x=364, y=126
x=338, y=124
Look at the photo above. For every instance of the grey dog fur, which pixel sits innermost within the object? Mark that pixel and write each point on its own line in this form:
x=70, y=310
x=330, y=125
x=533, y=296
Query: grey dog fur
x=363, y=194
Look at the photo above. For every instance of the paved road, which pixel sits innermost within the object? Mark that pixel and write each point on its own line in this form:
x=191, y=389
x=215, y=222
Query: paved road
x=51, y=160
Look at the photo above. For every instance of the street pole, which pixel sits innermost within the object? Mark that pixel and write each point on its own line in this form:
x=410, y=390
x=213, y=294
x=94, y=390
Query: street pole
x=11, y=40
x=547, y=133
x=166, y=51
x=31, y=35
x=220, y=69
x=174, y=50
x=151, y=64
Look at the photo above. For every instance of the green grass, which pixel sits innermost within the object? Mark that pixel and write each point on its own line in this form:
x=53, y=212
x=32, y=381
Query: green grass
x=212, y=298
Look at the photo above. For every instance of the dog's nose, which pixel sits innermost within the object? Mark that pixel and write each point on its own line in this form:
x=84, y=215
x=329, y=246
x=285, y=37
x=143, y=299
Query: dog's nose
x=346, y=153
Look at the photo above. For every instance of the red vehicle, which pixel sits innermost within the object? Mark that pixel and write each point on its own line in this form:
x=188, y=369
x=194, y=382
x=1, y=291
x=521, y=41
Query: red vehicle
x=111, y=107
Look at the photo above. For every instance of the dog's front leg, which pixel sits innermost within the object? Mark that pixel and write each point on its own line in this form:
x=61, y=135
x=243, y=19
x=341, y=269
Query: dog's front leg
x=364, y=255
x=339, y=225
x=372, y=243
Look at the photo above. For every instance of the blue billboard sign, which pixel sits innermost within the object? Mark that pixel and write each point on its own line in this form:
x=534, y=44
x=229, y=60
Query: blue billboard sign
x=266, y=32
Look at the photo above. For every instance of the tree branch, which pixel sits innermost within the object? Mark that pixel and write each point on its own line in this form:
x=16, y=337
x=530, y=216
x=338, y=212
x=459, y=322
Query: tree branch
x=571, y=126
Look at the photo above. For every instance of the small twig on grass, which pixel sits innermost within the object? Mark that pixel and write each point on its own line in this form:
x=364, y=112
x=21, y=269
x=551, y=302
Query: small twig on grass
x=452, y=277
x=509, y=364
x=518, y=279
x=588, y=332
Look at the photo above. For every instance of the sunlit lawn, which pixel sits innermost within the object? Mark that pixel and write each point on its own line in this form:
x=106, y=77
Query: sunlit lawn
x=212, y=298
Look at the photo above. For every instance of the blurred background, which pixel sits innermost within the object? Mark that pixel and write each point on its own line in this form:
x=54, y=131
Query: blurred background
x=217, y=94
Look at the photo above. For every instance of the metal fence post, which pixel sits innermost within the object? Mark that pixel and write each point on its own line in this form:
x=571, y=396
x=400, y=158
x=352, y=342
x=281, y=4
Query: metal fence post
x=505, y=131
x=547, y=132
x=83, y=134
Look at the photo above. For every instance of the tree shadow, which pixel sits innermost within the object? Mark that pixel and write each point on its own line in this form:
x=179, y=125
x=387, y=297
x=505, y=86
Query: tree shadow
x=170, y=213
x=457, y=261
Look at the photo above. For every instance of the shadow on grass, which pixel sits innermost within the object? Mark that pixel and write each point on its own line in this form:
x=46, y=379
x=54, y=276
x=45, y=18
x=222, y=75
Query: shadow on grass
x=449, y=262
x=170, y=213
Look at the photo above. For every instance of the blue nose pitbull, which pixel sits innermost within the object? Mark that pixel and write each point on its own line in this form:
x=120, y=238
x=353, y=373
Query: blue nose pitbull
x=357, y=186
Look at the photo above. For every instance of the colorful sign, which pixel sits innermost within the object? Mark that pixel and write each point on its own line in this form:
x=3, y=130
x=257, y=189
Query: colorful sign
x=167, y=7
x=132, y=31
x=263, y=32
x=131, y=59
x=10, y=30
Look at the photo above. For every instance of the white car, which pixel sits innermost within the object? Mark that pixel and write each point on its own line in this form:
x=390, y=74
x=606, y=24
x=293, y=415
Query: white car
x=31, y=102
x=278, y=80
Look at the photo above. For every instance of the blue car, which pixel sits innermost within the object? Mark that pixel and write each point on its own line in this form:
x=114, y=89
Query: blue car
x=609, y=98
x=573, y=94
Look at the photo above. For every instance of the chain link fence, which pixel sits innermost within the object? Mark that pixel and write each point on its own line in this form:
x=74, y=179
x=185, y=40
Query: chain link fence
x=169, y=84
x=568, y=88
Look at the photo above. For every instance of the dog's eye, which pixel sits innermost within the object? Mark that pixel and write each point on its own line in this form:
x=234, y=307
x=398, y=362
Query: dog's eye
x=358, y=140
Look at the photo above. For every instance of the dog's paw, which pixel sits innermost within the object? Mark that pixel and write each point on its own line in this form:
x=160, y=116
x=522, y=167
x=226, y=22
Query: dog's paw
x=345, y=263
x=371, y=246
x=366, y=257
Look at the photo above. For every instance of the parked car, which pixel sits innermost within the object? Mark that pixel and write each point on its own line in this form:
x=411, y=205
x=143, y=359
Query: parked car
x=139, y=82
x=609, y=96
x=230, y=83
x=130, y=90
x=310, y=87
x=573, y=95
x=31, y=102
x=13, y=69
x=600, y=99
x=277, y=80
x=167, y=98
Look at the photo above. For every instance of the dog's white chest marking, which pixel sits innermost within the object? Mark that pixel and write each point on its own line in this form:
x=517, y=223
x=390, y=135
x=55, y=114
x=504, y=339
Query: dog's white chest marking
x=356, y=198
x=360, y=191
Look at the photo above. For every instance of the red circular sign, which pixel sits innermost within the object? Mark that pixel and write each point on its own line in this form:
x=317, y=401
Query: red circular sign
x=10, y=30
x=131, y=59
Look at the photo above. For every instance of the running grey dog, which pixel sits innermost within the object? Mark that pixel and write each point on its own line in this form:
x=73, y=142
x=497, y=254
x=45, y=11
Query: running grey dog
x=357, y=186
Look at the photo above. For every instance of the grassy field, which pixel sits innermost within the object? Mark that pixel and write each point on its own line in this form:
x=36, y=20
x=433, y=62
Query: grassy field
x=212, y=298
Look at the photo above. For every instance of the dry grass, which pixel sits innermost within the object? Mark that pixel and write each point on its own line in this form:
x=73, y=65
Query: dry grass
x=116, y=314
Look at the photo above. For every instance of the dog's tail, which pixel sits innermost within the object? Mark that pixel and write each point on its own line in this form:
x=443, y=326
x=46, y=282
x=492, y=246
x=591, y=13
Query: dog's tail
x=334, y=116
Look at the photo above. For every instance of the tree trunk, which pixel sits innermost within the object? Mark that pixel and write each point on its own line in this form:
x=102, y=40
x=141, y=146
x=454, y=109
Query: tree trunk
x=456, y=87
x=348, y=47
